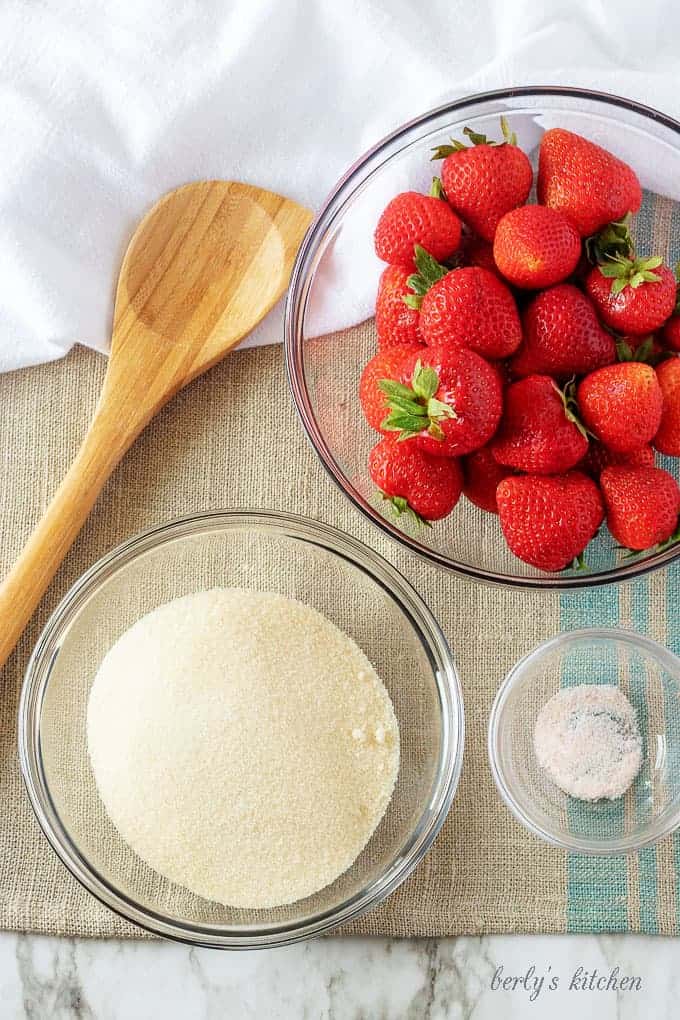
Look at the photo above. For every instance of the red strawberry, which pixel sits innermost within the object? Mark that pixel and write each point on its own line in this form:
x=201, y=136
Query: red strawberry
x=539, y=432
x=414, y=480
x=536, y=247
x=412, y=218
x=585, y=182
x=621, y=405
x=453, y=404
x=642, y=505
x=478, y=252
x=633, y=296
x=502, y=370
x=549, y=520
x=562, y=336
x=396, y=323
x=485, y=181
x=392, y=363
x=599, y=457
x=468, y=307
x=670, y=334
x=667, y=438
x=482, y=474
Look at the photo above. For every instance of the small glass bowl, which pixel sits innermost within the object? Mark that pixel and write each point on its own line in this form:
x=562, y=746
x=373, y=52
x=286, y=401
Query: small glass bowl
x=353, y=587
x=649, y=675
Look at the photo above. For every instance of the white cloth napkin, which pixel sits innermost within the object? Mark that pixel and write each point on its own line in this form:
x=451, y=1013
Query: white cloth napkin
x=103, y=107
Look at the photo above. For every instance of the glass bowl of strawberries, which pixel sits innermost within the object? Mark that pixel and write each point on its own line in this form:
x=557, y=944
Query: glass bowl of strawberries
x=483, y=337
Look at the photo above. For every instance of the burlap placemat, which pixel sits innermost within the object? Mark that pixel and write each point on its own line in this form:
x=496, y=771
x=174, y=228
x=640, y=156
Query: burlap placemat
x=485, y=873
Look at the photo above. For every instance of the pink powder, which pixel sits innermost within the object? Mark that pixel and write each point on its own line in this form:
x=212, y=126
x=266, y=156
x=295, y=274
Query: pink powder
x=587, y=740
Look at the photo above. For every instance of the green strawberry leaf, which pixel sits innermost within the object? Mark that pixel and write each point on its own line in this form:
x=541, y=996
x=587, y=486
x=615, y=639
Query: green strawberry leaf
x=509, y=138
x=612, y=272
x=407, y=424
x=415, y=409
x=643, y=276
x=417, y=284
x=612, y=240
x=436, y=431
x=402, y=506
x=442, y=151
x=392, y=388
x=624, y=271
x=624, y=351
x=437, y=409
x=398, y=502
x=644, y=350
x=475, y=137
x=425, y=381
x=411, y=406
x=429, y=272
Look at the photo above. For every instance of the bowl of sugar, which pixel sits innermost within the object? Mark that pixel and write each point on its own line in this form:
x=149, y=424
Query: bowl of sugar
x=241, y=729
x=584, y=741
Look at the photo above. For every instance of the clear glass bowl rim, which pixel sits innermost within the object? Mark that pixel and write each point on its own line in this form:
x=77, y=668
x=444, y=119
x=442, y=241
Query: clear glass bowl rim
x=629, y=844
x=386, y=576
x=296, y=301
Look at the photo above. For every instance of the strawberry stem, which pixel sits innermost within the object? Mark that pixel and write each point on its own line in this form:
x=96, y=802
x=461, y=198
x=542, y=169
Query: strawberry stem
x=436, y=189
x=414, y=409
x=571, y=411
x=509, y=136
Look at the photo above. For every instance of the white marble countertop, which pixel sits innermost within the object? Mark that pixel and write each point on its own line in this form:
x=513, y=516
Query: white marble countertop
x=336, y=979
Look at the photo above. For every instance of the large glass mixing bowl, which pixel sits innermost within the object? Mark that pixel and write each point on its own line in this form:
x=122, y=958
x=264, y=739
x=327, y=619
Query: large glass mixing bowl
x=335, y=279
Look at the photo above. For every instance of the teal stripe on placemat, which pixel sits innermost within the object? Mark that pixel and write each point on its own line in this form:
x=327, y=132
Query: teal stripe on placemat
x=672, y=709
x=597, y=887
x=673, y=595
x=647, y=862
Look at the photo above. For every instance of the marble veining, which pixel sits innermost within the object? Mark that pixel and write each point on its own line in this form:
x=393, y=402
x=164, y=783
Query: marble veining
x=338, y=979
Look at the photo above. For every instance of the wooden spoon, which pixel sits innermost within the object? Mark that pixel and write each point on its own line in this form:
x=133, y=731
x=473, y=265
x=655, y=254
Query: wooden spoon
x=203, y=268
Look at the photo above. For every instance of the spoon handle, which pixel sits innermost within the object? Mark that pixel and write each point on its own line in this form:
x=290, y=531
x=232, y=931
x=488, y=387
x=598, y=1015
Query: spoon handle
x=39, y=560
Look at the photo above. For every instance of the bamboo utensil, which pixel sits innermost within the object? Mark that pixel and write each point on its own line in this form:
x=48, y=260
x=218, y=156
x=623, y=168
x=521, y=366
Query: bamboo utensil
x=204, y=266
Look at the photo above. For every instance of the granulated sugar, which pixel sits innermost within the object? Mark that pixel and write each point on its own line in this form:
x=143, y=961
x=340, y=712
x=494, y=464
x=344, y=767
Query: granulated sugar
x=588, y=741
x=242, y=745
